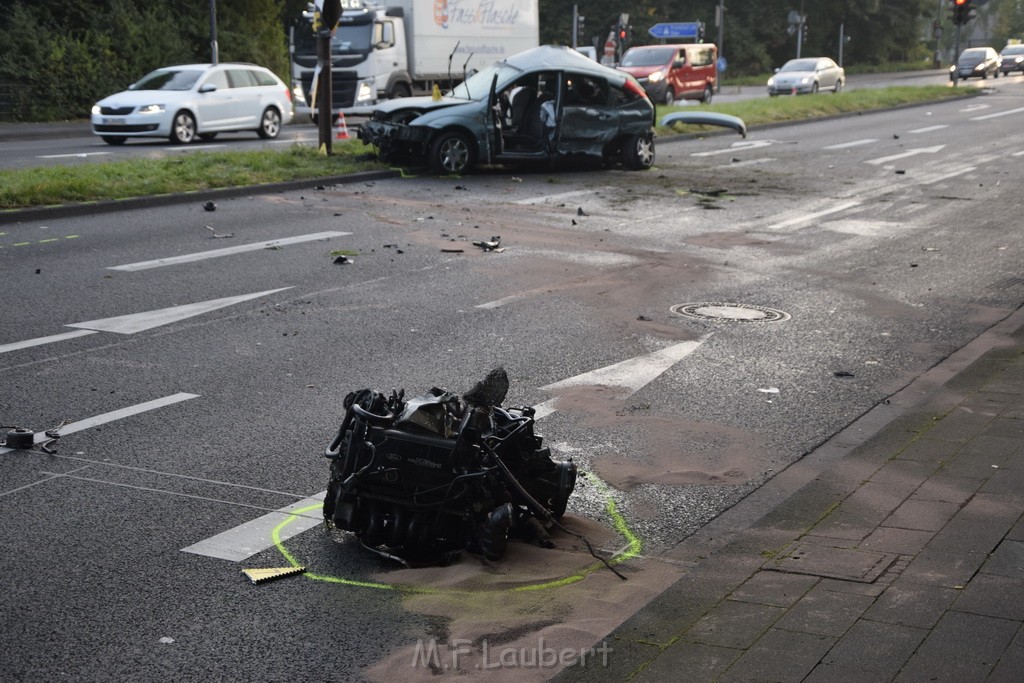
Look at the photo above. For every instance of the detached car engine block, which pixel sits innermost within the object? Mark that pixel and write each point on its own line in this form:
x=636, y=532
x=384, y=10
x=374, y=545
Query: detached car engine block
x=422, y=479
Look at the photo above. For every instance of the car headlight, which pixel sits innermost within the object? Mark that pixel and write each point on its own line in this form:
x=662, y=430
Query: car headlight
x=656, y=76
x=151, y=109
x=805, y=80
x=771, y=81
x=1018, y=59
x=979, y=67
x=95, y=109
x=364, y=92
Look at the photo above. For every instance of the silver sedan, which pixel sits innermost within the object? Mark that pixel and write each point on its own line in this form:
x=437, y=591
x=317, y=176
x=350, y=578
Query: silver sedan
x=807, y=76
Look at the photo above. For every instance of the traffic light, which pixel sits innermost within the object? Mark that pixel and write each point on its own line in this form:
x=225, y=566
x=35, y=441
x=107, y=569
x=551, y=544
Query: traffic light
x=962, y=11
x=622, y=34
x=700, y=32
x=580, y=28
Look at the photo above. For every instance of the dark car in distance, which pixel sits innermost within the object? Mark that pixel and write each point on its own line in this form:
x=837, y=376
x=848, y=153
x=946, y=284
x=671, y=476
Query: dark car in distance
x=1011, y=59
x=544, y=104
x=980, y=62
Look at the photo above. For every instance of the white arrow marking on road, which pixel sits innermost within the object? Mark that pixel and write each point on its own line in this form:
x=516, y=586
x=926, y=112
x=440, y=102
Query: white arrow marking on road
x=87, y=423
x=904, y=155
x=628, y=377
x=139, y=322
x=855, y=143
x=39, y=341
x=227, y=251
x=735, y=147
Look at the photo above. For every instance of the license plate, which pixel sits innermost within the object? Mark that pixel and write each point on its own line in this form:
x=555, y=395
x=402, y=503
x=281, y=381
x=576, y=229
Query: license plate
x=113, y=121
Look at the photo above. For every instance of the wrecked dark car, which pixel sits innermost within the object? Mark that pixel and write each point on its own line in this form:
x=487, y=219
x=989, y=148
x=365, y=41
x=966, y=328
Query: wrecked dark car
x=419, y=480
x=545, y=104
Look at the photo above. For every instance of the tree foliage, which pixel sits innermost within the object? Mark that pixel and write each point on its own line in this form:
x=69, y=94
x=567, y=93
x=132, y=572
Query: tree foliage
x=755, y=36
x=56, y=64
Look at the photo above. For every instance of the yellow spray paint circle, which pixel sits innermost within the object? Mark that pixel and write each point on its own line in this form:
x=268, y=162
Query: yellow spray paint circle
x=618, y=521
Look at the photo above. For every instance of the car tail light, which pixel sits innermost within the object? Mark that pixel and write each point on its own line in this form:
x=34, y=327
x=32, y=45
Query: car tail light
x=633, y=87
x=288, y=95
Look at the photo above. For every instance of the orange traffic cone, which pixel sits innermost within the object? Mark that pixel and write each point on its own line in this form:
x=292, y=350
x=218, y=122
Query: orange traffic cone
x=341, y=129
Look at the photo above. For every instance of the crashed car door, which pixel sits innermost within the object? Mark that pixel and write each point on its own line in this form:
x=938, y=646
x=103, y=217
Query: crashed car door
x=588, y=121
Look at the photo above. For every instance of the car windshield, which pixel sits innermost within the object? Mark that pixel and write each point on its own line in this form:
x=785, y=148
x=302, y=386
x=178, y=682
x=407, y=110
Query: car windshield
x=1015, y=50
x=656, y=57
x=169, y=79
x=799, y=65
x=478, y=86
x=972, y=57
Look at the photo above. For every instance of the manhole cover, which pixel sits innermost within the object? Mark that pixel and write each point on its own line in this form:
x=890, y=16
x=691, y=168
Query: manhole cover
x=740, y=313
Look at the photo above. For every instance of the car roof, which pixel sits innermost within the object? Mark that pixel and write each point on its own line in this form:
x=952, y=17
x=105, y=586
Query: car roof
x=556, y=57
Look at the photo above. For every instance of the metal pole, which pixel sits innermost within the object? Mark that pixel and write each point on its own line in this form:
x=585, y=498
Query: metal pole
x=213, y=32
x=721, y=39
x=575, y=23
x=840, y=43
x=956, y=56
x=325, y=114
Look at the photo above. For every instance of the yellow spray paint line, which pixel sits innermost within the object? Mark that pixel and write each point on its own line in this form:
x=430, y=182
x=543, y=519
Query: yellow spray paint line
x=632, y=549
x=46, y=241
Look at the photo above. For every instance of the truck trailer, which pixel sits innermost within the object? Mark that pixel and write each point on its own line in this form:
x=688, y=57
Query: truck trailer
x=397, y=50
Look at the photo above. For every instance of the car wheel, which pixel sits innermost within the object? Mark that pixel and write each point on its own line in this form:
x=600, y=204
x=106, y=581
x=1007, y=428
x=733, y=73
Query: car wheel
x=207, y=136
x=113, y=139
x=638, y=152
x=270, y=124
x=996, y=74
x=706, y=97
x=183, y=128
x=399, y=90
x=670, y=96
x=814, y=88
x=452, y=152
x=839, y=86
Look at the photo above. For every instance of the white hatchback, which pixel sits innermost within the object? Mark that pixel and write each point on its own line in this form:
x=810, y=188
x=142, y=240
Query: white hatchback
x=184, y=102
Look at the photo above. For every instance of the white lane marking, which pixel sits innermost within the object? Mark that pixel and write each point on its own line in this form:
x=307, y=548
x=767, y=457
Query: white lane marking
x=500, y=302
x=247, y=539
x=629, y=376
x=811, y=216
x=904, y=155
x=1017, y=154
x=735, y=147
x=227, y=251
x=139, y=322
x=998, y=114
x=558, y=197
x=928, y=129
x=120, y=414
x=39, y=341
x=946, y=176
x=70, y=156
x=975, y=107
x=855, y=143
x=749, y=162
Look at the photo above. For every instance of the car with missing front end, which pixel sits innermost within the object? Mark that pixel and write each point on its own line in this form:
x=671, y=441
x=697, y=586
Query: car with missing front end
x=542, y=105
x=182, y=103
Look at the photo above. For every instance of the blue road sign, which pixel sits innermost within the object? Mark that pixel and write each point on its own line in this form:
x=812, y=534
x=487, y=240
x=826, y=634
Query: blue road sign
x=677, y=30
x=722, y=65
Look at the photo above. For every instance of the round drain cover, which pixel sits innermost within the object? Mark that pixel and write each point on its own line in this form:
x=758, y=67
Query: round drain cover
x=740, y=313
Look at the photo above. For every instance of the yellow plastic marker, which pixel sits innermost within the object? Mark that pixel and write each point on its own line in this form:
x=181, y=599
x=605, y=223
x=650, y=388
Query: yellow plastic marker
x=271, y=573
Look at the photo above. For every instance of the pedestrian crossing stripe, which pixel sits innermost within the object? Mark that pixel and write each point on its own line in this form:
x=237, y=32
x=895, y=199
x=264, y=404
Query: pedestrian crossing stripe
x=260, y=575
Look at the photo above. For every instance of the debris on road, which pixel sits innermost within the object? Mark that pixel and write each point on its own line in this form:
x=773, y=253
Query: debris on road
x=258, y=576
x=216, y=236
x=842, y=373
x=210, y=206
x=493, y=245
x=420, y=480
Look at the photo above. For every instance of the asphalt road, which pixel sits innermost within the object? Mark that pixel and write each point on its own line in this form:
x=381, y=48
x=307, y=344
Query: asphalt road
x=846, y=256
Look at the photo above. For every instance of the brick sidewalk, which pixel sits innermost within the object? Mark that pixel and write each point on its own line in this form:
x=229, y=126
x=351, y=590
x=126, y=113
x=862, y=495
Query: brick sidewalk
x=902, y=560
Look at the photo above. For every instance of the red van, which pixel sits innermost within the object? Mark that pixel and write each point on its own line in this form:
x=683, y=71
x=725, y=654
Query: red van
x=672, y=72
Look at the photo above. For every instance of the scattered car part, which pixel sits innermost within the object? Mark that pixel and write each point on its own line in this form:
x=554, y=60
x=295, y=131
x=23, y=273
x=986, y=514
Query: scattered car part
x=419, y=480
x=20, y=438
x=706, y=118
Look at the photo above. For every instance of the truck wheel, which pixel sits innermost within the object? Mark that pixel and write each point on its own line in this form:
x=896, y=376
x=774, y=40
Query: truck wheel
x=183, y=128
x=400, y=90
x=270, y=124
x=670, y=96
x=638, y=152
x=706, y=97
x=451, y=152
